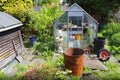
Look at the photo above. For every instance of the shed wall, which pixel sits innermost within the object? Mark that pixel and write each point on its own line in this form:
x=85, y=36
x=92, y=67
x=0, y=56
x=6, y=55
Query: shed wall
x=10, y=46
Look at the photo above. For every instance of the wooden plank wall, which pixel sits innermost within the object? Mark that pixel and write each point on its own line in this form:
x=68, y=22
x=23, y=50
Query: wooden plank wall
x=10, y=46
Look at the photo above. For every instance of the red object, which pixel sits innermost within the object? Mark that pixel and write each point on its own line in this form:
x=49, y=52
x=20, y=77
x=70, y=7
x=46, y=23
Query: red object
x=104, y=55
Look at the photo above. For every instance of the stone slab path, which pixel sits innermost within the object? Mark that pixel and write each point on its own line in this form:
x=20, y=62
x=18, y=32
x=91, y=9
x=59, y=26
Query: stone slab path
x=94, y=63
x=30, y=59
x=90, y=62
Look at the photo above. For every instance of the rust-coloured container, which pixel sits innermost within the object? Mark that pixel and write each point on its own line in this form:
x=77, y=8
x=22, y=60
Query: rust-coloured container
x=73, y=60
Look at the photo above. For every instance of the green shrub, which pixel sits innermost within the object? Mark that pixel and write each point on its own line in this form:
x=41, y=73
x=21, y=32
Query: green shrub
x=110, y=29
x=44, y=49
x=60, y=61
x=115, y=50
x=115, y=39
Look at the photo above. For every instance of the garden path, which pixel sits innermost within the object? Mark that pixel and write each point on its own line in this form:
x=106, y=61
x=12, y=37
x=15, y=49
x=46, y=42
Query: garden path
x=90, y=62
x=29, y=59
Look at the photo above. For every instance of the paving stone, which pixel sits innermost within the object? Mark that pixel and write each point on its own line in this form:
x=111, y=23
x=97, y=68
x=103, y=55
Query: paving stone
x=113, y=59
x=25, y=63
x=29, y=57
x=37, y=61
x=94, y=63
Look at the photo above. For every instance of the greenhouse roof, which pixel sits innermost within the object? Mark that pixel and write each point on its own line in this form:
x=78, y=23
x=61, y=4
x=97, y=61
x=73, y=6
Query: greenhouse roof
x=76, y=8
x=81, y=9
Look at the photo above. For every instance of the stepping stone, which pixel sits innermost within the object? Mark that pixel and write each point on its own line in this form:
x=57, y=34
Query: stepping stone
x=37, y=61
x=25, y=63
x=29, y=57
x=94, y=63
x=27, y=51
x=113, y=59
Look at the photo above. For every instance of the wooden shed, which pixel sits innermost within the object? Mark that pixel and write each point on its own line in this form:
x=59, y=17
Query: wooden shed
x=10, y=39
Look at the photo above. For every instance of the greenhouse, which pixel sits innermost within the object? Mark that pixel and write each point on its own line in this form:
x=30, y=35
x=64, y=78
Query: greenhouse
x=74, y=28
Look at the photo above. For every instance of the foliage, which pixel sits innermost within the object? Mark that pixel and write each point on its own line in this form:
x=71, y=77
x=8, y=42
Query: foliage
x=49, y=71
x=99, y=34
x=42, y=2
x=13, y=5
x=21, y=69
x=87, y=69
x=31, y=74
x=59, y=61
x=112, y=74
x=115, y=39
x=110, y=29
x=43, y=24
x=43, y=21
x=17, y=8
x=115, y=50
x=98, y=8
x=44, y=49
x=18, y=76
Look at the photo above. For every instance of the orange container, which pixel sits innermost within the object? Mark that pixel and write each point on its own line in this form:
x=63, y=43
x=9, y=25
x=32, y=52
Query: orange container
x=77, y=36
x=74, y=60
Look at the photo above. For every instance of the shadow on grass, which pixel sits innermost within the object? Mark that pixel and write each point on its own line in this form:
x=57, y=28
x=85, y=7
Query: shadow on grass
x=27, y=44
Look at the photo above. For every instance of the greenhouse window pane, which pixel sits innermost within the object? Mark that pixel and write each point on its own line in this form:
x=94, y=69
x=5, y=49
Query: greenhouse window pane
x=75, y=20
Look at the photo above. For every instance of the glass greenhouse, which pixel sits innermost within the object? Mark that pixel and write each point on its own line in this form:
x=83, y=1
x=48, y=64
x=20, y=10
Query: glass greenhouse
x=74, y=28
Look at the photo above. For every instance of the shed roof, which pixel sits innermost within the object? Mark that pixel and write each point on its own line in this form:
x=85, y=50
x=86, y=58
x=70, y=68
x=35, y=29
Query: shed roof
x=8, y=22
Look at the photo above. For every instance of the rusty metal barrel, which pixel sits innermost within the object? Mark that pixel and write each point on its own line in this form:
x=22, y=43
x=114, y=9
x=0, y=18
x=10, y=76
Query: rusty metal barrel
x=74, y=60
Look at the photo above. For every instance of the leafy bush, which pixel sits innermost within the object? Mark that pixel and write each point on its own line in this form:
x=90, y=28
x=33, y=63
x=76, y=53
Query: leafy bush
x=87, y=69
x=110, y=29
x=59, y=61
x=44, y=20
x=48, y=71
x=115, y=50
x=44, y=49
x=115, y=39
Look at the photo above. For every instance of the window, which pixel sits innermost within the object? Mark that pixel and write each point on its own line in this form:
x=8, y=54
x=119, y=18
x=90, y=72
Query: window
x=75, y=20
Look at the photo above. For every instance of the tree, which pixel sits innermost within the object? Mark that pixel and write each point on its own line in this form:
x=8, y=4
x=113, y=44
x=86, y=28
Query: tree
x=17, y=8
x=99, y=9
x=44, y=19
x=42, y=2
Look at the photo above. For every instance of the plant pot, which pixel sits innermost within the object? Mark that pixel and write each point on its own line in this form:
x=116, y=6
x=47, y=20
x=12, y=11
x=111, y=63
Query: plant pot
x=73, y=60
x=32, y=40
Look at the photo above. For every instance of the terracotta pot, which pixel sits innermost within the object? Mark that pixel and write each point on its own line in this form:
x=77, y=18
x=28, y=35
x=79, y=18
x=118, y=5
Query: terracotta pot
x=73, y=60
